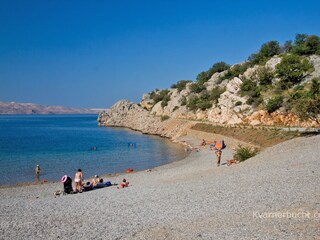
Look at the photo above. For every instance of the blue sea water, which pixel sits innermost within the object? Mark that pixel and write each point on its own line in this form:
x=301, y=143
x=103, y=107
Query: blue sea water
x=61, y=144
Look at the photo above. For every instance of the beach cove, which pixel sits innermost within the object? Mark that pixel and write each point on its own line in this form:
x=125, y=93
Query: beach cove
x=188, y=199
x=60, y=144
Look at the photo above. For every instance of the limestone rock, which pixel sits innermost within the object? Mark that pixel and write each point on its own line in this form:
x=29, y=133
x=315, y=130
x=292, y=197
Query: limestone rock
x=146, y=101
x=315, y=60
x=250, y=73
x=273, y=62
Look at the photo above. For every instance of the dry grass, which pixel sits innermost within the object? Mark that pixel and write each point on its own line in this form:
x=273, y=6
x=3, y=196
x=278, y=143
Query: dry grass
x=263, y=137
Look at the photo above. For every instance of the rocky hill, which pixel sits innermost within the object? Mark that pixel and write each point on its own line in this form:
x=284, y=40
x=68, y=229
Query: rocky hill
x=30, y=108
x=278, y=85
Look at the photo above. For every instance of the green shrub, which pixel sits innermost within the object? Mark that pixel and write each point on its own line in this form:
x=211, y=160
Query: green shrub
x=252, y=90
x=164, y=102
x=192, y=103
x=205, y=100
x=197, y=87
x=244, y=153
x=238, y=103
x=183, y=101
x=160, y=96
x=235, y=71
x=308, y=109
x=215, y=94
x=306, y=104
x=180, y=85
x=265, y=75
x=274, y=104
x=247, y=86
x=291, y=70
x=306, y=45
x=206, y=75
x=315, y=87
x=202, y=102
x=287, y=47
x=266, y=51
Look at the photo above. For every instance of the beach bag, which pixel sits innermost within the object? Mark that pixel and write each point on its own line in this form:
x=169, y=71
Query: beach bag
x=220, y=145
x=67, y=184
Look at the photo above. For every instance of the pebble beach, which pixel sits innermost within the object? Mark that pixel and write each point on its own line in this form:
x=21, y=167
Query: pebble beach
x=274, y=195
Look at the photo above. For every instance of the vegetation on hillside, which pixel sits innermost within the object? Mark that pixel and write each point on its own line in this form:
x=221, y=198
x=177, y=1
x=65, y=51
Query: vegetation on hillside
x=180, y=85
x=205, y=100
x=283, y=88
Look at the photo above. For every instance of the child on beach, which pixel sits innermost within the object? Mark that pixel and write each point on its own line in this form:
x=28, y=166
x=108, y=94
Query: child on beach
x=124, y=183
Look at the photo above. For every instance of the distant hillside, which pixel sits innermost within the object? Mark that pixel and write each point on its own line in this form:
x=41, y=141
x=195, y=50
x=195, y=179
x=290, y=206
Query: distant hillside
x=30, y=108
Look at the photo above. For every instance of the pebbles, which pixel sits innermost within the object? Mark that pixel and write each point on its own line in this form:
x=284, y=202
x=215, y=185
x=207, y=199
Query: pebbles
x=189, y=199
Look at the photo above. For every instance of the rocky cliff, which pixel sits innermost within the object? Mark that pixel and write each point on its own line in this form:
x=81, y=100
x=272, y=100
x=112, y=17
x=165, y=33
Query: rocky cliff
x=130, y=115
x=230, y=108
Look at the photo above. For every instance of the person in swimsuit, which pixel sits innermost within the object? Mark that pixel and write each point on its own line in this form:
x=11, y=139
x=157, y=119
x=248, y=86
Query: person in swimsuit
x=78, y=178
x=95, y=180
x=37, y=171
x=218, y=153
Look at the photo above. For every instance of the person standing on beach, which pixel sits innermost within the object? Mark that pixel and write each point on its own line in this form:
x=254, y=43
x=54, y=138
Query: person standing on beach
x=218, y=146
x=218, y=153
x=78, y=179
x=37, y=171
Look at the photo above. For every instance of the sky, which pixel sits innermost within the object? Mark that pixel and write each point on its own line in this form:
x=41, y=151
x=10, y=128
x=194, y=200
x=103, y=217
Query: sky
x=91, y=54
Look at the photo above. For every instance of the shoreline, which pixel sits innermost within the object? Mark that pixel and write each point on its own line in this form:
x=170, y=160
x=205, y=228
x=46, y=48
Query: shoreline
x=181, y=200
x=106, y=175
x=232, y=143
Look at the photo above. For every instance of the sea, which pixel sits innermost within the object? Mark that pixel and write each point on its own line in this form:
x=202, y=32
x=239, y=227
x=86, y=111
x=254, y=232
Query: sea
x=61, y=144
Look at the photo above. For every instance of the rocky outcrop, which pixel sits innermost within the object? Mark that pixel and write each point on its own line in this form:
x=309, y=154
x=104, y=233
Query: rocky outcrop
x=231, y=107
x=130, y=115
x=277, y=118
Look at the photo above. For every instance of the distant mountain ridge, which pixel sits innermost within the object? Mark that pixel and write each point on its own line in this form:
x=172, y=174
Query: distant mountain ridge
x=31, y=108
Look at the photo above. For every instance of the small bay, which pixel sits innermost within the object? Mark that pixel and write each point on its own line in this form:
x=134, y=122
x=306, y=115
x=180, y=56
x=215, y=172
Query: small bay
x=61, y=144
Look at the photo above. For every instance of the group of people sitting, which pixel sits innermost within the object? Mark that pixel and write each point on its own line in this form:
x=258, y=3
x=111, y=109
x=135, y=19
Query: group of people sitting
x=79, y=186
x=95, y=182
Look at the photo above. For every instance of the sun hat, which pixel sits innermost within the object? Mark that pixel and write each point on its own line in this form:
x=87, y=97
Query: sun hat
x=64, y=178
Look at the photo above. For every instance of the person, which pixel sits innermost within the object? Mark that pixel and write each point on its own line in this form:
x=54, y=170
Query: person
x=37, y=171
x=95, y=180
x=124, y=183
x=218, y=153
x=78, y=179
x=94, y=148
x=218, y=146
x=100, y=184
x=203, y=143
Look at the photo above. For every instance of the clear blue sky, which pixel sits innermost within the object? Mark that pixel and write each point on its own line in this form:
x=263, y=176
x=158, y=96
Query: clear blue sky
x=92, y=53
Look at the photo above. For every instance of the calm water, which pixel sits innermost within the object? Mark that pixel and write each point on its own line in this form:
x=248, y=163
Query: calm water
x=61, y=144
